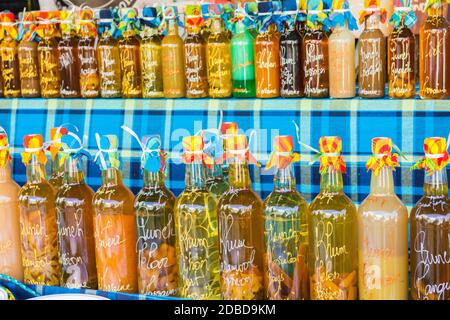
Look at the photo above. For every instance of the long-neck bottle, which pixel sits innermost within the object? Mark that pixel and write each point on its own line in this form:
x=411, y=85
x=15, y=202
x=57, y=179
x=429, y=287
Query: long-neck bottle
x=38, y=227
x=130, y=62
x=291, y=64
x=243, y=62
x=57, y=174
x=89, y=77
x=286, y=239
x=383, y=241
x=69, y=64
x=372, y=59
x=115, y=234
x=151, y=63
x=28, y=61
x=109, y=64
x=215, y=180
x=50, y=78
x=315, y=63
x=333, y=261
x=430, y=246
x=75, y=219
x=10, y=241
x=155, y=224
x=10, y=66
x=341, y=53
x=195, y=63
x=401, y=63
x=173, y=62
x=241, y=235
x=218, y=57
x=267, y=63
x=435, y=55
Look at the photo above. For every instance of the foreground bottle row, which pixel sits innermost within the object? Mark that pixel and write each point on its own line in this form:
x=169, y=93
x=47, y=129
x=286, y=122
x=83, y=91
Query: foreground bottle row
x=218, y=239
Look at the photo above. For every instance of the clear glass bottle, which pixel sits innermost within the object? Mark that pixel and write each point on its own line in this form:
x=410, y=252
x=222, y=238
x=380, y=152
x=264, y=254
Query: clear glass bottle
x=130, y=63
x=435, y=55
x=9, y=57
x=241, y=226
x=372, y=59
x=69, y=62
x=173, y=62
x=38, y=226
x=57, y=172
x=196, y=228
x=218, y=57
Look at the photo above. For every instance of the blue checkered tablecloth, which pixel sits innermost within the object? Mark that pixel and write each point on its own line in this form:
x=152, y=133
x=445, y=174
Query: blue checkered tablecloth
x=407, y=122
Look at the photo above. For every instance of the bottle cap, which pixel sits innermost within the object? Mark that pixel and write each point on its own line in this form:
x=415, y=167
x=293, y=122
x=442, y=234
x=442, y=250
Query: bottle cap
x=381, y=146
x=193, y=144
x=330, y=145
x=229, y=128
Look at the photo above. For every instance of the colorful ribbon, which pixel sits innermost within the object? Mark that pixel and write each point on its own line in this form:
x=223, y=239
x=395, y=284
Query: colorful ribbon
x=55, y=145
x=5, y=155
x=27, y=27
x=238, y=148
x=128, y=20
x=85, y=22
x=316, y=16
x=302, y=11
x=33, y=145
x=106, y=22
x=107, y=156
x=151, y=17
x=289, y=15
x=245, y=13
x=382, y=155
x=8, y=25
x=435, y=4
x=268, y=13
x=341, y=13
x=73, y=147
x=68, y=21
x=330, y=154
x=372, y=7
x=403, y=14
x=46, y=23
x=283, y=153
x=436, y=155
x=193, y=16
x=193, y=147
x=169, y=13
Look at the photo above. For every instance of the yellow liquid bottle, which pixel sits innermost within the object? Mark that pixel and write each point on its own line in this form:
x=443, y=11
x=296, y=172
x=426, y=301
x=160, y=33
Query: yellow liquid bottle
x=130, y=64
x=10, y=57
x=173, y=62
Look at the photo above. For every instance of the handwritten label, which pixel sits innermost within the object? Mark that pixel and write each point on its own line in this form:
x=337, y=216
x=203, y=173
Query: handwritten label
x=219, y=68
x=314, y=68
x=371, y=68
x=267, y=68
x=49, y=71
x=289, y=67
x=151, y=69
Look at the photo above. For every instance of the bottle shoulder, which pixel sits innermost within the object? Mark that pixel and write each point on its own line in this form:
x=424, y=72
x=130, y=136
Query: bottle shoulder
x=42, y=190
x=117, y=193
x=431, y=206
x=285, y=204
x=240, y=197
x=81, y=191
x=382, y=203
x=155, y=195
x=332, y=202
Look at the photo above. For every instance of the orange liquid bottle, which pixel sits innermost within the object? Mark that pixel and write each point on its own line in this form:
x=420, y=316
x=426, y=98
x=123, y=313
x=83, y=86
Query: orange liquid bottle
x=9, y=56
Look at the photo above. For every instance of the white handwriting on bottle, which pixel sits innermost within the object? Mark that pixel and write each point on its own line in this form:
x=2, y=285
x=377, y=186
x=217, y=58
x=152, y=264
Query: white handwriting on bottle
x=109, y=242
x=289, y=67
x=314, y=68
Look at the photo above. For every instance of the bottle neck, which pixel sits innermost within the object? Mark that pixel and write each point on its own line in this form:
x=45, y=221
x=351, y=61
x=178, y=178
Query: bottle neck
x=111, y=177
x=284, y=179
x=153, y=180
x=341, y=27
x=57, y=167
x=5, y=173
x=195, y=176
x=240, y=27
x=35, y=171
x=73, y=172
x=436, y=11
x=149, y=31
x=172, y=27
x=331, y=181
x=216, y=25
x=383, y=183
x=436, y=184
x=238, y=174
x=214, y=173
x=373, y=22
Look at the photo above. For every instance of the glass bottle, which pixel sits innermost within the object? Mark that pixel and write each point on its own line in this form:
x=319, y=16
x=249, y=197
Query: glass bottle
x=290, y=64
x=157, y=264
x=108, y=59
x=243, y=62
x=215, y=182
x=333, y=261
x=38, y=226
x=383, y=241
x=50, y=78
x=130, y=63
x=401, y=59
x=173, y=62
x=10, y=58
x=241, y=226
x=57, y=172
x=115, y=234
x=195, y=63
x=435, y=55
x=196, y=228
x=10, y=242
x=315, y=63
x=28, y=59
x=372, y=59
x=89, y=77
x=69, y=62
x=75, y=219
x=218, y=57
x=341, y=53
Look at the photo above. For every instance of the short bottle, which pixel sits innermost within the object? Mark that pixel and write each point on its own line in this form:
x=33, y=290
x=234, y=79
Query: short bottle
x=10, y=56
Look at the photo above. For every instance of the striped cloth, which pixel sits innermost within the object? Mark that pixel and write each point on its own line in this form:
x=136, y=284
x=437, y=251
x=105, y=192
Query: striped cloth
x=407, y=122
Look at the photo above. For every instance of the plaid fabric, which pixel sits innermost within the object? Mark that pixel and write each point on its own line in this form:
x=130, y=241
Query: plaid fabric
x=407, y=122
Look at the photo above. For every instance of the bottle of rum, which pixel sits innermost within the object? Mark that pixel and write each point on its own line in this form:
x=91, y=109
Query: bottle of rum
x=54, y=147
x=10, y=56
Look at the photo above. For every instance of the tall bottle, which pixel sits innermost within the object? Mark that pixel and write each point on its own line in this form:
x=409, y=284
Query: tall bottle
x=382, y=231
x=286, y=228
x=130, y=55
x=372, y=54
x=9, y=56
x=241, y=226
x=38, y=226
x=108, y=56
x=216, y=183
x=402, y=52
x=28, y=58
x=227, y=130
x=69, y=60
x=196, y=228
x=57, y=173
x=315, y=56
x=435, y=54
x=89, y=77
x=290, y=54
x=10, y=242
x=430, y=227
x=243, y=56
x=151, y=54
x=341, y=52
x=75, y=219
x=50, y=78
x=267, y=52
x=333, y=261
x=114, y=223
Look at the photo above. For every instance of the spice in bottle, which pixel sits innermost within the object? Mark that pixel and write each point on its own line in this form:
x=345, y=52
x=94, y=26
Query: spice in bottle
x=9, y=56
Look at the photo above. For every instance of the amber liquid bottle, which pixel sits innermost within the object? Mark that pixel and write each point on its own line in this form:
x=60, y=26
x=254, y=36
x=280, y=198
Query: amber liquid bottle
x=435, y=56
x=195, y=64
x=291, y=63
x=29, y=67
x=109, y=65
x=173, y=62
x=89, y=77
x=10, y=67
x=151, y=64
x=267, y=63
x=372, y=59
x=130, y=64
x=69, y=65
x=50, y=78
x=314, y=55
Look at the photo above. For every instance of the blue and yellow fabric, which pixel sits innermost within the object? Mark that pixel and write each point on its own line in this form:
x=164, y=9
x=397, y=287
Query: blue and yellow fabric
x=151, y=17
x=403, y=14
x=316, y=16
x=107, y=156
x=341, y=14
x=290, y=13
x=269, y=12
